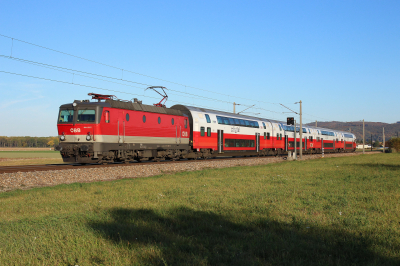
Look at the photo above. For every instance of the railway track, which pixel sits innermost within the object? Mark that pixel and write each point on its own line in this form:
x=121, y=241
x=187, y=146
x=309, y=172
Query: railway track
x=57, y=167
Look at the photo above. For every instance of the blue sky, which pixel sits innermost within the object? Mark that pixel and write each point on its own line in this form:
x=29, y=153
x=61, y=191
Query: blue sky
x=341, y=58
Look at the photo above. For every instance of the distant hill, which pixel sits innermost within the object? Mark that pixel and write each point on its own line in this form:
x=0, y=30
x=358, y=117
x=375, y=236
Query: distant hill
x=374, y=128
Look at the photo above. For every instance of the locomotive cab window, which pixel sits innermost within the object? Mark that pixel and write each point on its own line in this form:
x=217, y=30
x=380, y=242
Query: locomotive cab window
x=86, y=115
x=208, y=118
x=144, y=119
x=159, y=120
x=172, y=121
x=127, y=117
x=66, y=116
x=186, y=123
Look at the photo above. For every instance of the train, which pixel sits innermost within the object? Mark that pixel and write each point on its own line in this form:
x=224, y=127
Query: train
x=106, y=130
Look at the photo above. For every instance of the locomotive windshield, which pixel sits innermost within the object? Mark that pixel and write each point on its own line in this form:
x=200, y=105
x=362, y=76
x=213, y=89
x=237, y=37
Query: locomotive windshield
x=66, y=116
x=86, y=115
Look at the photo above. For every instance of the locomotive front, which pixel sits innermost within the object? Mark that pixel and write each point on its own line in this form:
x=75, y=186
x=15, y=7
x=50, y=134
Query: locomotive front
x=78, y=124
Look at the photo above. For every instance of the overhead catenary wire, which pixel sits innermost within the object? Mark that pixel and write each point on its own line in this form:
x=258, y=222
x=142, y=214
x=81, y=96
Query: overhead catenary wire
x=58, y=68
x=122, y=74
x=115, y=91
x=94, y=87
x=136, y=73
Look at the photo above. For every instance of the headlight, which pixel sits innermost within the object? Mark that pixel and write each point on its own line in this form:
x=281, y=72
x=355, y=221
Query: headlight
x=62, y=138
x=88, y=137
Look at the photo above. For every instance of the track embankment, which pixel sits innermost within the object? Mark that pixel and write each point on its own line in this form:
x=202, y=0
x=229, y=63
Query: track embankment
x=25, y=177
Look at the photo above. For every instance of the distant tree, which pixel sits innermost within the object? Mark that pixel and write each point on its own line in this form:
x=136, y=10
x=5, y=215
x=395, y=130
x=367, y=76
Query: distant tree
x=377, y=144
x=50, y=143
x=394, y=143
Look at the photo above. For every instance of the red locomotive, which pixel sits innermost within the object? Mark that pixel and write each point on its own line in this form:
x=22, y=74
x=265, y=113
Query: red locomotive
x=109, y=130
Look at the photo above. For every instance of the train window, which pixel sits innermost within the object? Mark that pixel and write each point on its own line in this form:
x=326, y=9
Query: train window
x=268, y=136
x=208, y=118
x=265, y=135
x=144, y=119
x=202, y=131
x=159, y=120
x=127, y=117
x=281, y=136
x=86, y=115
x=247, y=122
x=277, y=136
x=237, y=122
x=172, y=121
x=66, y=116
x=107, y=116
x=280, y=127
x=231, y=121
x=220, y=120
x=226, y=121
x=265, y=127
x=209, y=132
x=185, y=123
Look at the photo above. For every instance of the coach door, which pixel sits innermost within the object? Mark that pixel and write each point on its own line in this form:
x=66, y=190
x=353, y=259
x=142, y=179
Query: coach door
x=257, y=142
x=220, y=141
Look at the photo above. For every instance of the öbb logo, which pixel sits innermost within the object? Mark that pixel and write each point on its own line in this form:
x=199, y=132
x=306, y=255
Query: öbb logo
x=75, y=130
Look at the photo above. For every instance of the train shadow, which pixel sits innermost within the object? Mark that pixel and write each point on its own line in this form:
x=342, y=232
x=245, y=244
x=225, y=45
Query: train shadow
x=184, y=236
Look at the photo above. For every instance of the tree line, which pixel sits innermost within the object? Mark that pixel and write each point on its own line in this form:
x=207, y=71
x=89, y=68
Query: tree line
x=29, y=142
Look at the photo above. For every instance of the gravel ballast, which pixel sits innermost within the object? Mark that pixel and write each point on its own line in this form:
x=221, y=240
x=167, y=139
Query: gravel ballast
x=26, y=180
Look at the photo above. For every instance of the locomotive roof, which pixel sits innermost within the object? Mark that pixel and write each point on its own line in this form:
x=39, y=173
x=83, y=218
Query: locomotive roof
x=128, y=106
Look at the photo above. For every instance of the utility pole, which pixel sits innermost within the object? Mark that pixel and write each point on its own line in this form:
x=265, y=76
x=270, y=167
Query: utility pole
x=371, y=142
x=295, y=140
x=363, y=138
x=383, y=140
x=316, y=124
x=234, y=105
x=301, y=135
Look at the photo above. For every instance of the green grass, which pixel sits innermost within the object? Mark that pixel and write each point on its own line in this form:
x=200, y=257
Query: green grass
x=332, y=211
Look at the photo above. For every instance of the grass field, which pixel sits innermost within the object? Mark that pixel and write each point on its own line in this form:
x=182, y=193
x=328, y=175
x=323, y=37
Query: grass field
x=332, y=211
x=27, y=157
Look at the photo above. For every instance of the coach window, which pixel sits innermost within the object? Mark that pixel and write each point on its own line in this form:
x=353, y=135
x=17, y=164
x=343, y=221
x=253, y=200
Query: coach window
x=202, y=131
x=220, y=120
x=265, y=135
x=277, y=136
x=209, y=132
x=159, y=120
x=172, y=121
x=265, y=127
x=281, y=136
x=185, y=123
x=107, y=116
x=144, y=119
x=268, y=136
x=208, y=118
x=127, y=117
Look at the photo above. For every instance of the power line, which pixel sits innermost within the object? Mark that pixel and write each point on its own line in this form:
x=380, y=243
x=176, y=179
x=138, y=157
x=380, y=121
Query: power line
x=57, y=68
x=94, y=87
x=114, y=67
